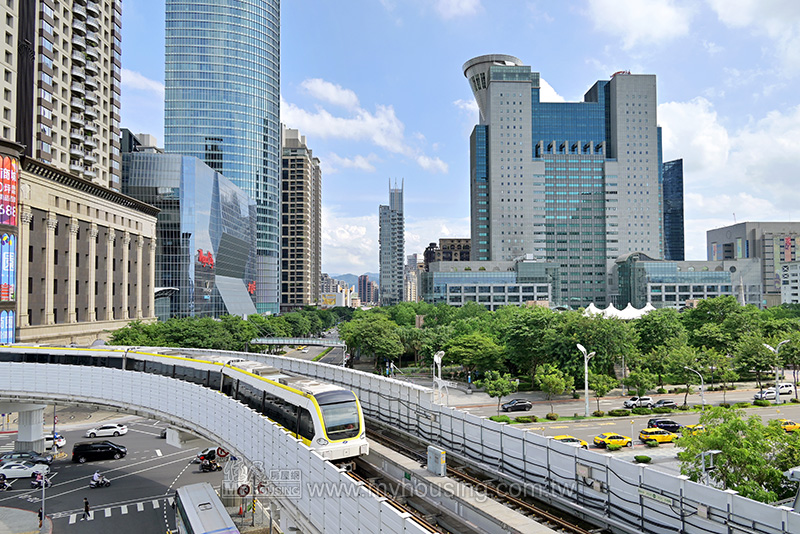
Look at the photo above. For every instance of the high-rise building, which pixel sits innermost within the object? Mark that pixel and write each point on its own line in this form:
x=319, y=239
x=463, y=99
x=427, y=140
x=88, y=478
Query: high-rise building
x=392, y=247
x=365, y=290
x=206, y=231
x=301, y=229
x=67, y=85
x=673, y=210
x=222, y=106
x=574, y=183
x=448, y=249
x=775, y=244
x=411, y=281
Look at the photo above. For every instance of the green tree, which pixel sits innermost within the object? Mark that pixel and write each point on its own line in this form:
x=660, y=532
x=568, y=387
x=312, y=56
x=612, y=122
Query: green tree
x=752, y=456
x=752, y=355
x=601, y=384
x=375, y=335
x=640, y=380
x=658, y=328
x=475, y=351
x=552, y=381
x=790, y=356
x=682, y=360
x=524, y=334
x=497, y=385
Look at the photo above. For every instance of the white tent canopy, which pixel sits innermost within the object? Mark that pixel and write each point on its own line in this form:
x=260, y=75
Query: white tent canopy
x=612, y=312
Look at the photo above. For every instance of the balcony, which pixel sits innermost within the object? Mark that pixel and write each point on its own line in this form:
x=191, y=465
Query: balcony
x=89, y=172
x=78, y=58
x=92, y=38
x=77, y=89
x=91, y=83
x=93, y=8
x=78, y=42
x=78, y=73
x=92, y=69
x=76, y=119
x=76, y=151
x=90, y=142
x=93, y=53
x=90, y=99
x=76, y=135
x=89, y=158
x=90, y=113
x=78, y=11
x=78, y=27
x=75, y=166
x=93, y=23
x=77, y=104
x=89, y=127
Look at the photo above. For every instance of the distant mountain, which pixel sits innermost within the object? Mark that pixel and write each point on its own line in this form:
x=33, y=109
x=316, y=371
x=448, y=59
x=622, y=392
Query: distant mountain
x=352, y=279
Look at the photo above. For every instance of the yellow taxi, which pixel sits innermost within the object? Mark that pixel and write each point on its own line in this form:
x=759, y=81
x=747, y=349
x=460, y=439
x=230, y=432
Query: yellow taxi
x=789, y=425
x=612, y=438
x=572, y=440
x=694, y=429
x=657, y=434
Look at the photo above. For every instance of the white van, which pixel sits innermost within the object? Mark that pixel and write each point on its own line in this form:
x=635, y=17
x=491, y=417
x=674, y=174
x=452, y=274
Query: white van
x=769, y=393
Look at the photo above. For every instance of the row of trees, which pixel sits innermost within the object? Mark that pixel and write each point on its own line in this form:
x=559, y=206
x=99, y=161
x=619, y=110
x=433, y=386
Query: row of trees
x=228, y=332
x=720, y=339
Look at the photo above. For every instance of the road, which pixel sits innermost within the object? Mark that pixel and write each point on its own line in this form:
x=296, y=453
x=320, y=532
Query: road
x=137, y=500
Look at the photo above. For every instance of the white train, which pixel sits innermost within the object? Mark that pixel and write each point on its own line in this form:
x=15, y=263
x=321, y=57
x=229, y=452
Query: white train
x=325, y=417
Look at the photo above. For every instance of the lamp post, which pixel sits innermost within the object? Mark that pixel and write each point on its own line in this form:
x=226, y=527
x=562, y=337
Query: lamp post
x=777, y=368
x=702, y=389
x=586, y=357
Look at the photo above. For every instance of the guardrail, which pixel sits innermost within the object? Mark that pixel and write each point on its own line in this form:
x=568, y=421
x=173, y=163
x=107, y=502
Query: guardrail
x=622, y=496
x=325, y=499
x=314, y=341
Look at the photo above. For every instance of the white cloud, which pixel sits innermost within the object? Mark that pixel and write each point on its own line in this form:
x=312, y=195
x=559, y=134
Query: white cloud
x=349, y=244
x=467, y=105
x=779, y=20
x=641, y=23
x=133, y=80
x=382, y=128
x=331, y=93
x=691, y=131
x=332, y=163
x=547, y=93
x=712, y=48
x=449, y=9
x=422, y=232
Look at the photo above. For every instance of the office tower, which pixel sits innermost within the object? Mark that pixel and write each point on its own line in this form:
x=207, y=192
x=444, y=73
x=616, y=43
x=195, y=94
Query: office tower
x=68, y=78
x=411, y=282
x=301, y=230
x=206, y=230
x=364, y=289
x=575, y=183
x=775, y=245
x=672, y=172
x=222, y=106
x=392, y=247
x=448, y=249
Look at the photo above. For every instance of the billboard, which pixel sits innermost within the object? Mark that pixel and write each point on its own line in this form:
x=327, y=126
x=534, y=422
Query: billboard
x=8, y=190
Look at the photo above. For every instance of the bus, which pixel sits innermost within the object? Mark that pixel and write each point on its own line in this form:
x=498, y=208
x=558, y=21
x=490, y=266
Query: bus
x=198, y=510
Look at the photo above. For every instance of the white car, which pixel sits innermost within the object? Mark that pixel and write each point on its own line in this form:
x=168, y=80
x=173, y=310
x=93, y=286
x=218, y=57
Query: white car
x=60, y=441
x=106, y=430
x=638, y=402
x=23, y=469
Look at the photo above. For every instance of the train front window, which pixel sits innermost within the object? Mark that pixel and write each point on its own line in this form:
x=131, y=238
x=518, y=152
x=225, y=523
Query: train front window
x=341, y=420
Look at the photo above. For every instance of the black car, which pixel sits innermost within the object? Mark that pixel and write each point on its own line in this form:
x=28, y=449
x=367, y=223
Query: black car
x=97, y=450
x=517, y=405
x=28, y=456
x=665, y=403
x=665, y=424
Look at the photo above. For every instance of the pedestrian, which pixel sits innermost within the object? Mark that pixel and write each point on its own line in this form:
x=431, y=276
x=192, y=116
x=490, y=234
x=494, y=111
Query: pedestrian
x=85, y=508
x=41, y=516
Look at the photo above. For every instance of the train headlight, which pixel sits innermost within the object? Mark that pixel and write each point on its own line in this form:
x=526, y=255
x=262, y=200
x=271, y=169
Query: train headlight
x=322, y=441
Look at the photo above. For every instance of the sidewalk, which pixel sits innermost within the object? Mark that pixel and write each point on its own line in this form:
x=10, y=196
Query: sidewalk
x=16, y=521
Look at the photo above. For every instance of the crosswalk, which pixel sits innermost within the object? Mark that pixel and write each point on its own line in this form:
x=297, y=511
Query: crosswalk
x=117, y=509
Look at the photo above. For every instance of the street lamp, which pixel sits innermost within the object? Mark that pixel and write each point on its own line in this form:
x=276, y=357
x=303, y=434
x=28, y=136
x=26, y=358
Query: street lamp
x=702, y=389
x=586, y=357
x=777, y=368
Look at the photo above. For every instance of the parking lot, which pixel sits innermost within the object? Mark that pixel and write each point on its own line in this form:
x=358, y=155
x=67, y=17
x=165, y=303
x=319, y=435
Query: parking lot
x=142, y=482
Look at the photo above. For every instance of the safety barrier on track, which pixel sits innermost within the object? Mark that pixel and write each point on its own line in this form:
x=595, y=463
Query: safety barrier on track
x=623, y=496
x=324, y=498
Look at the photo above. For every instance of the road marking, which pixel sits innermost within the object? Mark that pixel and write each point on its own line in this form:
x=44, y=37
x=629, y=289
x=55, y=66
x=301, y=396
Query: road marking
x=606, y=424
x=560, y=426
x=91, y=515
x=156, y=504
x=108, y=512
x=73, y=518
x=124, y=509
x=158, y=452
x=140, y=507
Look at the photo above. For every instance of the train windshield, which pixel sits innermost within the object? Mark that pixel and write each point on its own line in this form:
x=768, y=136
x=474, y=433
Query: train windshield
x=339, y=414
x=341, y=420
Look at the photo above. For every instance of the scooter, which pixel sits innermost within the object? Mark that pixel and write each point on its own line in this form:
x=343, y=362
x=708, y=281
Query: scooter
x=4, y=485
x=102, y=483
x=207, y=467
x=37, y=484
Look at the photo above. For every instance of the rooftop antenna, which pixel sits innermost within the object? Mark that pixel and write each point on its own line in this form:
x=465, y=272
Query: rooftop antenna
x=734, y=218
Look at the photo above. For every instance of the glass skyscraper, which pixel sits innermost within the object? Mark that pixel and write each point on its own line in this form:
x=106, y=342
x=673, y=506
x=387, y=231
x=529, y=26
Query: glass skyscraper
x=222, y=106
x=573, y=183
x=673, y=210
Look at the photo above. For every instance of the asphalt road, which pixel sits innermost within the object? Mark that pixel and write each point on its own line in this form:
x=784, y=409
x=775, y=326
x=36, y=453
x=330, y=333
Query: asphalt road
x=141, y=484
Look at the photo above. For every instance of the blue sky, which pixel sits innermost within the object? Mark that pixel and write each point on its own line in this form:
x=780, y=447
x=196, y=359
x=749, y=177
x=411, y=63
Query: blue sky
x=376, y=87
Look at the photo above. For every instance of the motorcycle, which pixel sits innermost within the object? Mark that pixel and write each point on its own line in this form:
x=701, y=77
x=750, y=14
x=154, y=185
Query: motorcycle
x=4, y=485
x=207, y=467
x=37, y=484
x=102, y=483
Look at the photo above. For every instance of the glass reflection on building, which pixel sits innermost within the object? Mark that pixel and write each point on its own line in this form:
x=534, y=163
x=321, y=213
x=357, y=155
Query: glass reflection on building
x=206, y=234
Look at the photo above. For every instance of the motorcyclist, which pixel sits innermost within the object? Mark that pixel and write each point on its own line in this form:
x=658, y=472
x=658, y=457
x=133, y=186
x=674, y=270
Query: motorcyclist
x=96, y=477
x=206, y=465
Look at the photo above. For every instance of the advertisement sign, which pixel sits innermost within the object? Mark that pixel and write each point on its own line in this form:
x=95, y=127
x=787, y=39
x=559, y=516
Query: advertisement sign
x=9, y=171
x=8, y=268
x=787, y=249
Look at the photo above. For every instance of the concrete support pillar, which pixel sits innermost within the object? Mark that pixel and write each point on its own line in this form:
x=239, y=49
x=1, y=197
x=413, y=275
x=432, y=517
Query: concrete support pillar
x=151, y=294
x=93, y=232
x=23, y=269
x=73, y=271
x=50, y=246
x=139, y=276
x=30, y=426
x=126, y=242
x=110, y=275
